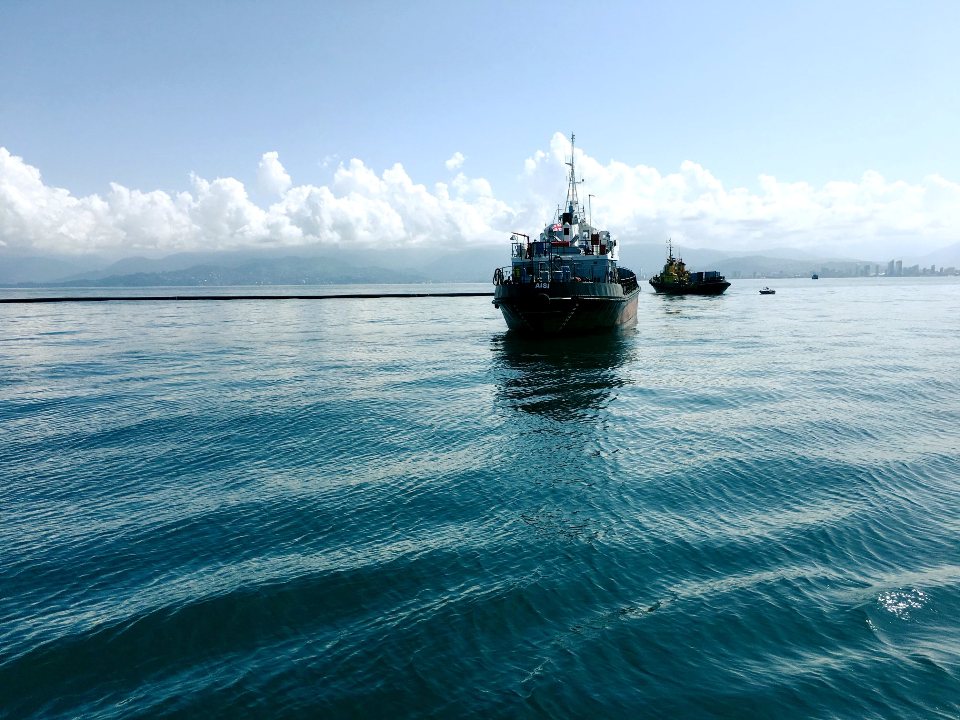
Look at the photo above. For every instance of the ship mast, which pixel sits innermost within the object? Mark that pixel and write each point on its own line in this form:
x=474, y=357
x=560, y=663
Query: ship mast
x=573, y=203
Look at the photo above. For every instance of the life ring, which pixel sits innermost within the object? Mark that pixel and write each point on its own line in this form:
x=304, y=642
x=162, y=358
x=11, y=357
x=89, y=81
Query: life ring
x=557, y=262
x=498, y=276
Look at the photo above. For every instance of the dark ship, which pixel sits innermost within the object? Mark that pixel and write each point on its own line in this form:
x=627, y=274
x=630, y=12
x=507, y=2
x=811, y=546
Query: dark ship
x=568, y=280
x=675, y=279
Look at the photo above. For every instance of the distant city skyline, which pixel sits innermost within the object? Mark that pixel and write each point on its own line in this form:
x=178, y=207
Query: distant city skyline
x=148, y=129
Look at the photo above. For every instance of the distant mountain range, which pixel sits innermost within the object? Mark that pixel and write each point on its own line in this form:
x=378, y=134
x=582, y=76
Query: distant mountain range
x=399, y=265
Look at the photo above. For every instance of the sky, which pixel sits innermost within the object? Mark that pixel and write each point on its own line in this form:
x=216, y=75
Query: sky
x=156, y=127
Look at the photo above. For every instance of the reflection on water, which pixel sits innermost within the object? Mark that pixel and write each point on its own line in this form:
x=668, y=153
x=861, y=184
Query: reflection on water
x=556, y=396
x=687, y=304
x=560, y=378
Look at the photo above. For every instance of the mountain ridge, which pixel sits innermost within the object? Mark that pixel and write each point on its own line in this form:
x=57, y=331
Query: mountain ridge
x=419, y=264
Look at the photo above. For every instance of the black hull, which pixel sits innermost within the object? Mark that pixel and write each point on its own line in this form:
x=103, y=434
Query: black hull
x=566, y=308
x=708, y=288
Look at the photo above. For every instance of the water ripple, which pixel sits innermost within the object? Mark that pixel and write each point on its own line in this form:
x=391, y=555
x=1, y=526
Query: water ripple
x=342, y=510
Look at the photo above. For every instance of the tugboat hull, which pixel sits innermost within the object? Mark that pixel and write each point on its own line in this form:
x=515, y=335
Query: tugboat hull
x=697, y=289
x=566, y=308
x=675, y=279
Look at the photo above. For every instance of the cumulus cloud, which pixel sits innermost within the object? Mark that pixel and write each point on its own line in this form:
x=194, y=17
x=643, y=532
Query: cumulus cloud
x=455, y=161
x=271, y=175
x=361, y=205
x=694, y=205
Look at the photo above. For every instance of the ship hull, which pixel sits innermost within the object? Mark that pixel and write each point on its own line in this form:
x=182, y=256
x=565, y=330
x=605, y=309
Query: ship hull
x=566, y=308
x=690, y=289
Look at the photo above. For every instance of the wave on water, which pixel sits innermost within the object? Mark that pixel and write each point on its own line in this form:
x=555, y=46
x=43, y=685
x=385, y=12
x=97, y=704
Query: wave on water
x=395, y=508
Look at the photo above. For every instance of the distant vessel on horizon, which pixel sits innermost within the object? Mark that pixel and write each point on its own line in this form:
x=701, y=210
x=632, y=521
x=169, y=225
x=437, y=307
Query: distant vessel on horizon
x=568, y=280
x=675, y=279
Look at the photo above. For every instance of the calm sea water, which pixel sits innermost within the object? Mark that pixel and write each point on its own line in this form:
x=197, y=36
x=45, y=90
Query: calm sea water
x=745, y=506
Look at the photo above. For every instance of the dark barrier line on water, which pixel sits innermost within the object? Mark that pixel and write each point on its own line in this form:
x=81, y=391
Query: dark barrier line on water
x=155, y=298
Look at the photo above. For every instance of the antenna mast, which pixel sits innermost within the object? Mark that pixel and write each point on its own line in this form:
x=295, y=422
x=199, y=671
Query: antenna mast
x=572, y=201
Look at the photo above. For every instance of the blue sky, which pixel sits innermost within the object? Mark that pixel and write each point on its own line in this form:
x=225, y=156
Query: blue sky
x=158, y=97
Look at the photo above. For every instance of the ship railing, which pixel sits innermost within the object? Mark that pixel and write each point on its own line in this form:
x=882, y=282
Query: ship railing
x=629, y=284
x=513, y=275
x=519, y=248
x=541, y=272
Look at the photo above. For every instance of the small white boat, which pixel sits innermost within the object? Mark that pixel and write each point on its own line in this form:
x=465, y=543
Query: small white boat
x=768, y=291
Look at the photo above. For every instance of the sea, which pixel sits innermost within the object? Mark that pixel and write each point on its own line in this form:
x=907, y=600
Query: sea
x=744, y=506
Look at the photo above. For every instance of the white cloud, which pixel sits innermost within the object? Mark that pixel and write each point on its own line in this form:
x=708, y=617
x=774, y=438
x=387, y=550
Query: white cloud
x=455, y=161
x=329, y=160
x=694, y=205
x=359, y=206
x=271, y=175
x=362, y=206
